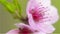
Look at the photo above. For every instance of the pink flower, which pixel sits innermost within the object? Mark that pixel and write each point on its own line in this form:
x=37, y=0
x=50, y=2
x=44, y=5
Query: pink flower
x=41, y=15
x=24, y=29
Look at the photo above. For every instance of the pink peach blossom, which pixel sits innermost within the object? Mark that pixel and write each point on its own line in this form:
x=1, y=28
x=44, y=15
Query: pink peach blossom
x=41, y=15
x=24, y=29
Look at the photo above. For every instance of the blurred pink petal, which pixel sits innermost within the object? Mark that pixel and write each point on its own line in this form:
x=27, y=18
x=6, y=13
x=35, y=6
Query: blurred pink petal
x=46, y=28
x=13, y=31
x=24, y=29
x=41, y=32
x=52, y=15
x=22, y=26
x=43, y=2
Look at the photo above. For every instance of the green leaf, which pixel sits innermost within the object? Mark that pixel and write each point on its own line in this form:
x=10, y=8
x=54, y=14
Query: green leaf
x=13, y=8
x=8, y=5
x=18, y=6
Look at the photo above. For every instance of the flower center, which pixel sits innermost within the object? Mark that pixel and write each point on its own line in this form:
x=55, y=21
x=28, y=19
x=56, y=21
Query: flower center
x=37, y=14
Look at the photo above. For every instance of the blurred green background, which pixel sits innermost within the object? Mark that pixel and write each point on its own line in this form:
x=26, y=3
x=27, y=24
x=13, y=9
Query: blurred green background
x=7, y=22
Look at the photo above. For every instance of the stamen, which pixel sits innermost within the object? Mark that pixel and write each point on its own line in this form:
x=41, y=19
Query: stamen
x=38, y=14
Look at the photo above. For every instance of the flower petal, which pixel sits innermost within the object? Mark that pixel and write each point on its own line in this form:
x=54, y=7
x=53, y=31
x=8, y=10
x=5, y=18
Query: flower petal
x=31, y=22
x=25, y=28
x=39, y=2
x=14, y=31
x=52, y=16
x=22, y=25
x=41, y=32
x=43, y=2
x=46, y=28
